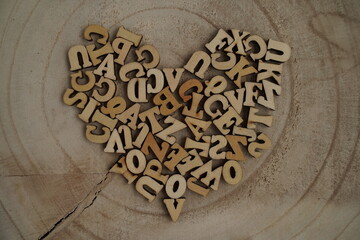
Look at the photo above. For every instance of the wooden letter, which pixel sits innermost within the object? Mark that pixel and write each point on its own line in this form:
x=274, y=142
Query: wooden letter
x=104, y=120
x=130, y=114
x=175, y=186
x=140, y=85
x=197, y=188
x=271, y=71
x=269, y=88
x=245, y=132
x=114, y=106
x=150, y=115
x=123, y=51
x=237, y=42
x=167, y=102
x=129, y=67
x=251, y=93
x=175, y=156
x=154, y=54
x=88, y=110
x=193, y=160
x=159, y=80
x=253, y=118
x=192, y=83
x=204, y=146
x=232, y=177
x=95, y=54
x=212, y=177
x=277, y=47
x=241, y=69
x=151, y=184
x=82, y=98
x=132, y=37
x=120, y=167
x=211, y=100
x=173, y=80
x=255, y=145
x=97, y=138
x=114, y=140
x=217, y=43
x=106, y=65
x=83, y=87
x=260, y=42
x=192, y=112
x=197, y=58
x=111, y=89
x=236, y=102
x=216, y=85
x=74, y=58
x=231, y=117
x=99, y=30
x=153, y=169
x=127, y=136
x=151, y=143
x=175, y=127
x=200, y=124
x=224, y=65
x=174, y=207
x=142, y=135
x=221, y=143
x=140, y=165
x=234, y=144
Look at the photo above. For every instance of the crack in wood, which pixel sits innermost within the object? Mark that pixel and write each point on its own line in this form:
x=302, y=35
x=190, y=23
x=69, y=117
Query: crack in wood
x=87, y=202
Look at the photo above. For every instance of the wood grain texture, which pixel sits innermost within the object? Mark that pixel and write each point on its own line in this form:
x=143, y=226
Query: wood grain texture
x=55, y=183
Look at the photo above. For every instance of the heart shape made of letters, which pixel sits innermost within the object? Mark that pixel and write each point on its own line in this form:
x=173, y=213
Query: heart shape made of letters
x=246, y=74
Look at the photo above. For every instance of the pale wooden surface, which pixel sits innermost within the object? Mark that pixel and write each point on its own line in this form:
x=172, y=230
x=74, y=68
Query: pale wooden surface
x=306, y=187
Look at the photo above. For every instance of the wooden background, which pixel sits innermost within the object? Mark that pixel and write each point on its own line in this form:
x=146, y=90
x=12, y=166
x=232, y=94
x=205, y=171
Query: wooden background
x=54, y=183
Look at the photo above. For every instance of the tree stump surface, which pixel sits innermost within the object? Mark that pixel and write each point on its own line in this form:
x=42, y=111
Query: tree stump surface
x=54, y=183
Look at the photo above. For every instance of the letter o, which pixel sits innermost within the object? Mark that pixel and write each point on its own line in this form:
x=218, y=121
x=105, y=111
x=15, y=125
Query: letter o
x=130, y=161
x=227, y=174
x=170, y=184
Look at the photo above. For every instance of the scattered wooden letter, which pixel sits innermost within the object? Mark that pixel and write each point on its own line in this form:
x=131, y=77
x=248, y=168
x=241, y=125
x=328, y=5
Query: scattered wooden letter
x=224, y=65
x=151, y=143
x=73, y=56
x=192, y=83
x=255, y=145
x=153, y=169
x=174, y=207
x=203, y=146
x=154, y=54
x=175, y=186
x=175, y=156
x=227, y=173
x=129, y=67
x=98, y=30
x=167, y=102
x=217, y=43
x=151, y=184
x=86, y=86
x=242, y=68
x=95, y=54
x=139, y=167
x=254, y=118
x=175, y=126
x=212, y=177
x=173, y=79
x=80, y=97
x=216, y=85
x=120, y=167
x=197, y=58
x=150, y=116
x=196, y=187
